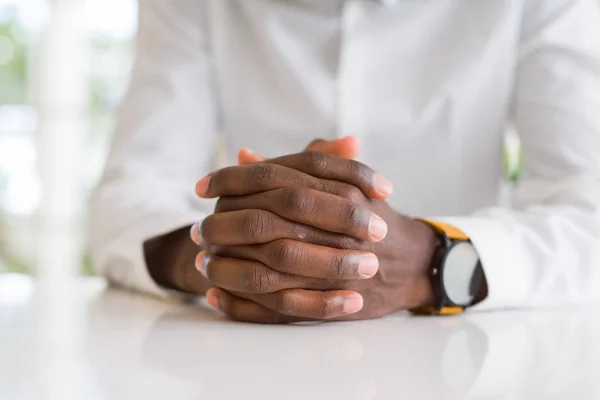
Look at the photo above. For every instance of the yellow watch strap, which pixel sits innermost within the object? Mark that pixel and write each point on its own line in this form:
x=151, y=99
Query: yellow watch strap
x=430, y=310
x=451, y=231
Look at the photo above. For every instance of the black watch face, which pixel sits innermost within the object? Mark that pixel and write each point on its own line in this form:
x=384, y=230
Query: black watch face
x=461, y=277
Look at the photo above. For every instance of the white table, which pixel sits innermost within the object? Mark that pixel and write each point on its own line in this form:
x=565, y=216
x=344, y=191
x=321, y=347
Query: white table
x=82, y=341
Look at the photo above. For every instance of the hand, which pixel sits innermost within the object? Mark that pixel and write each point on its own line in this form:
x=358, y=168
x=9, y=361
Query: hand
x=303, y=240
x=169, y=257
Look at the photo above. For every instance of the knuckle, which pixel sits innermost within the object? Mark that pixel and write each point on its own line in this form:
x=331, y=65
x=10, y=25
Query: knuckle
x=296, y=201
x=354, y=216
x=352, y=193
x=326, y=308
x=290, y=304
x=359, y=171
x=258, y=281
x=340, y=266
x=285, y=303
x=262, y=174
x=285, y=255
x=316, y=161
x=256, y=226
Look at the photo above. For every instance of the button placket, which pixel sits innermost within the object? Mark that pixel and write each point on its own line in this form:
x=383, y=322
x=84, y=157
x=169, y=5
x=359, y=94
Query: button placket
x=352, y=93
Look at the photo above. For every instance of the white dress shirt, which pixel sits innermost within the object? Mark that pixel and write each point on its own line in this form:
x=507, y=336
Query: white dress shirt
x=429, y=86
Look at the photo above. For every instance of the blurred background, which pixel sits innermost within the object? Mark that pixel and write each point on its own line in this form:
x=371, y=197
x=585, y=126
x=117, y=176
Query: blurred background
x=64, y=66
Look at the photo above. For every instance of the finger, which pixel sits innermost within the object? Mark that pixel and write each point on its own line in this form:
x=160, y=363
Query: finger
x=297, y=170
x=287, y=306
x=329, y=166
x=311, y=304
x=260, y=177
x=245, y=310
x=314, y=208
x=247, y=156
x=246, y=276
x=316, y=145
x=259, y=226
x=304, y=259
x=347, y=147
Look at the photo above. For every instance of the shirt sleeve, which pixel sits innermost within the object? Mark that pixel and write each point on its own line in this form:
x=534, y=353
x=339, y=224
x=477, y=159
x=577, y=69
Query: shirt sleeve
x=545, y=249
x=164, y=141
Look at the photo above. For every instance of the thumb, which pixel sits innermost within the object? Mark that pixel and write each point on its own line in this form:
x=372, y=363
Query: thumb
x=346, y=147
x=246, y=156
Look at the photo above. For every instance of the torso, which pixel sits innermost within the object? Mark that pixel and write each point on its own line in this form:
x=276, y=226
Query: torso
x=427, y=86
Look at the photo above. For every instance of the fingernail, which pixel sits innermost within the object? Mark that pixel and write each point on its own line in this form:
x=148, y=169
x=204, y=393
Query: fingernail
x=250, y=152
x=377, y=228
x=352, y=304
x=212, y=299
x=368, y=265
x=201, y=261
x=202, y=186
x=195, y=234
x=382, y=185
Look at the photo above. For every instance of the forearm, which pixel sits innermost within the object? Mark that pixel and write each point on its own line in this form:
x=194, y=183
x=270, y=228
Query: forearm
x=170, y=260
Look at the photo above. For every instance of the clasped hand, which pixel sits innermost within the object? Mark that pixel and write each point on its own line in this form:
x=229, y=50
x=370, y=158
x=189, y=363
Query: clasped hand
x=310, y=237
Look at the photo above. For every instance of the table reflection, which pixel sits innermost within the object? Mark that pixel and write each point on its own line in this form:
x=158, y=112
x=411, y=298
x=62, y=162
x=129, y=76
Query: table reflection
x=492, y=355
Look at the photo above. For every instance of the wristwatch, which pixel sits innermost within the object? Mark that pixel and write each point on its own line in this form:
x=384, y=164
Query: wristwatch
x=456, y=273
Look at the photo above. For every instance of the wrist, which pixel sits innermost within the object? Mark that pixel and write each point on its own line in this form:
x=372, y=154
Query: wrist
x=170, y=262
x=428, y=241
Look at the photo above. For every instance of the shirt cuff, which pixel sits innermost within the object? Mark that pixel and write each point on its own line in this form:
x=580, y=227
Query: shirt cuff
x=504, y=263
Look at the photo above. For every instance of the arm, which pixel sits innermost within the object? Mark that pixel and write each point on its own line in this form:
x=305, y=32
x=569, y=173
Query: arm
x=546, y=250
x=163, y=143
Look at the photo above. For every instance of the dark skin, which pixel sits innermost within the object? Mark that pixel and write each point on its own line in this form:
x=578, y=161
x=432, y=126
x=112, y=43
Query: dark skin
x=286, y=241
x=170, y=257
x=288, y=235
x=170, y=261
